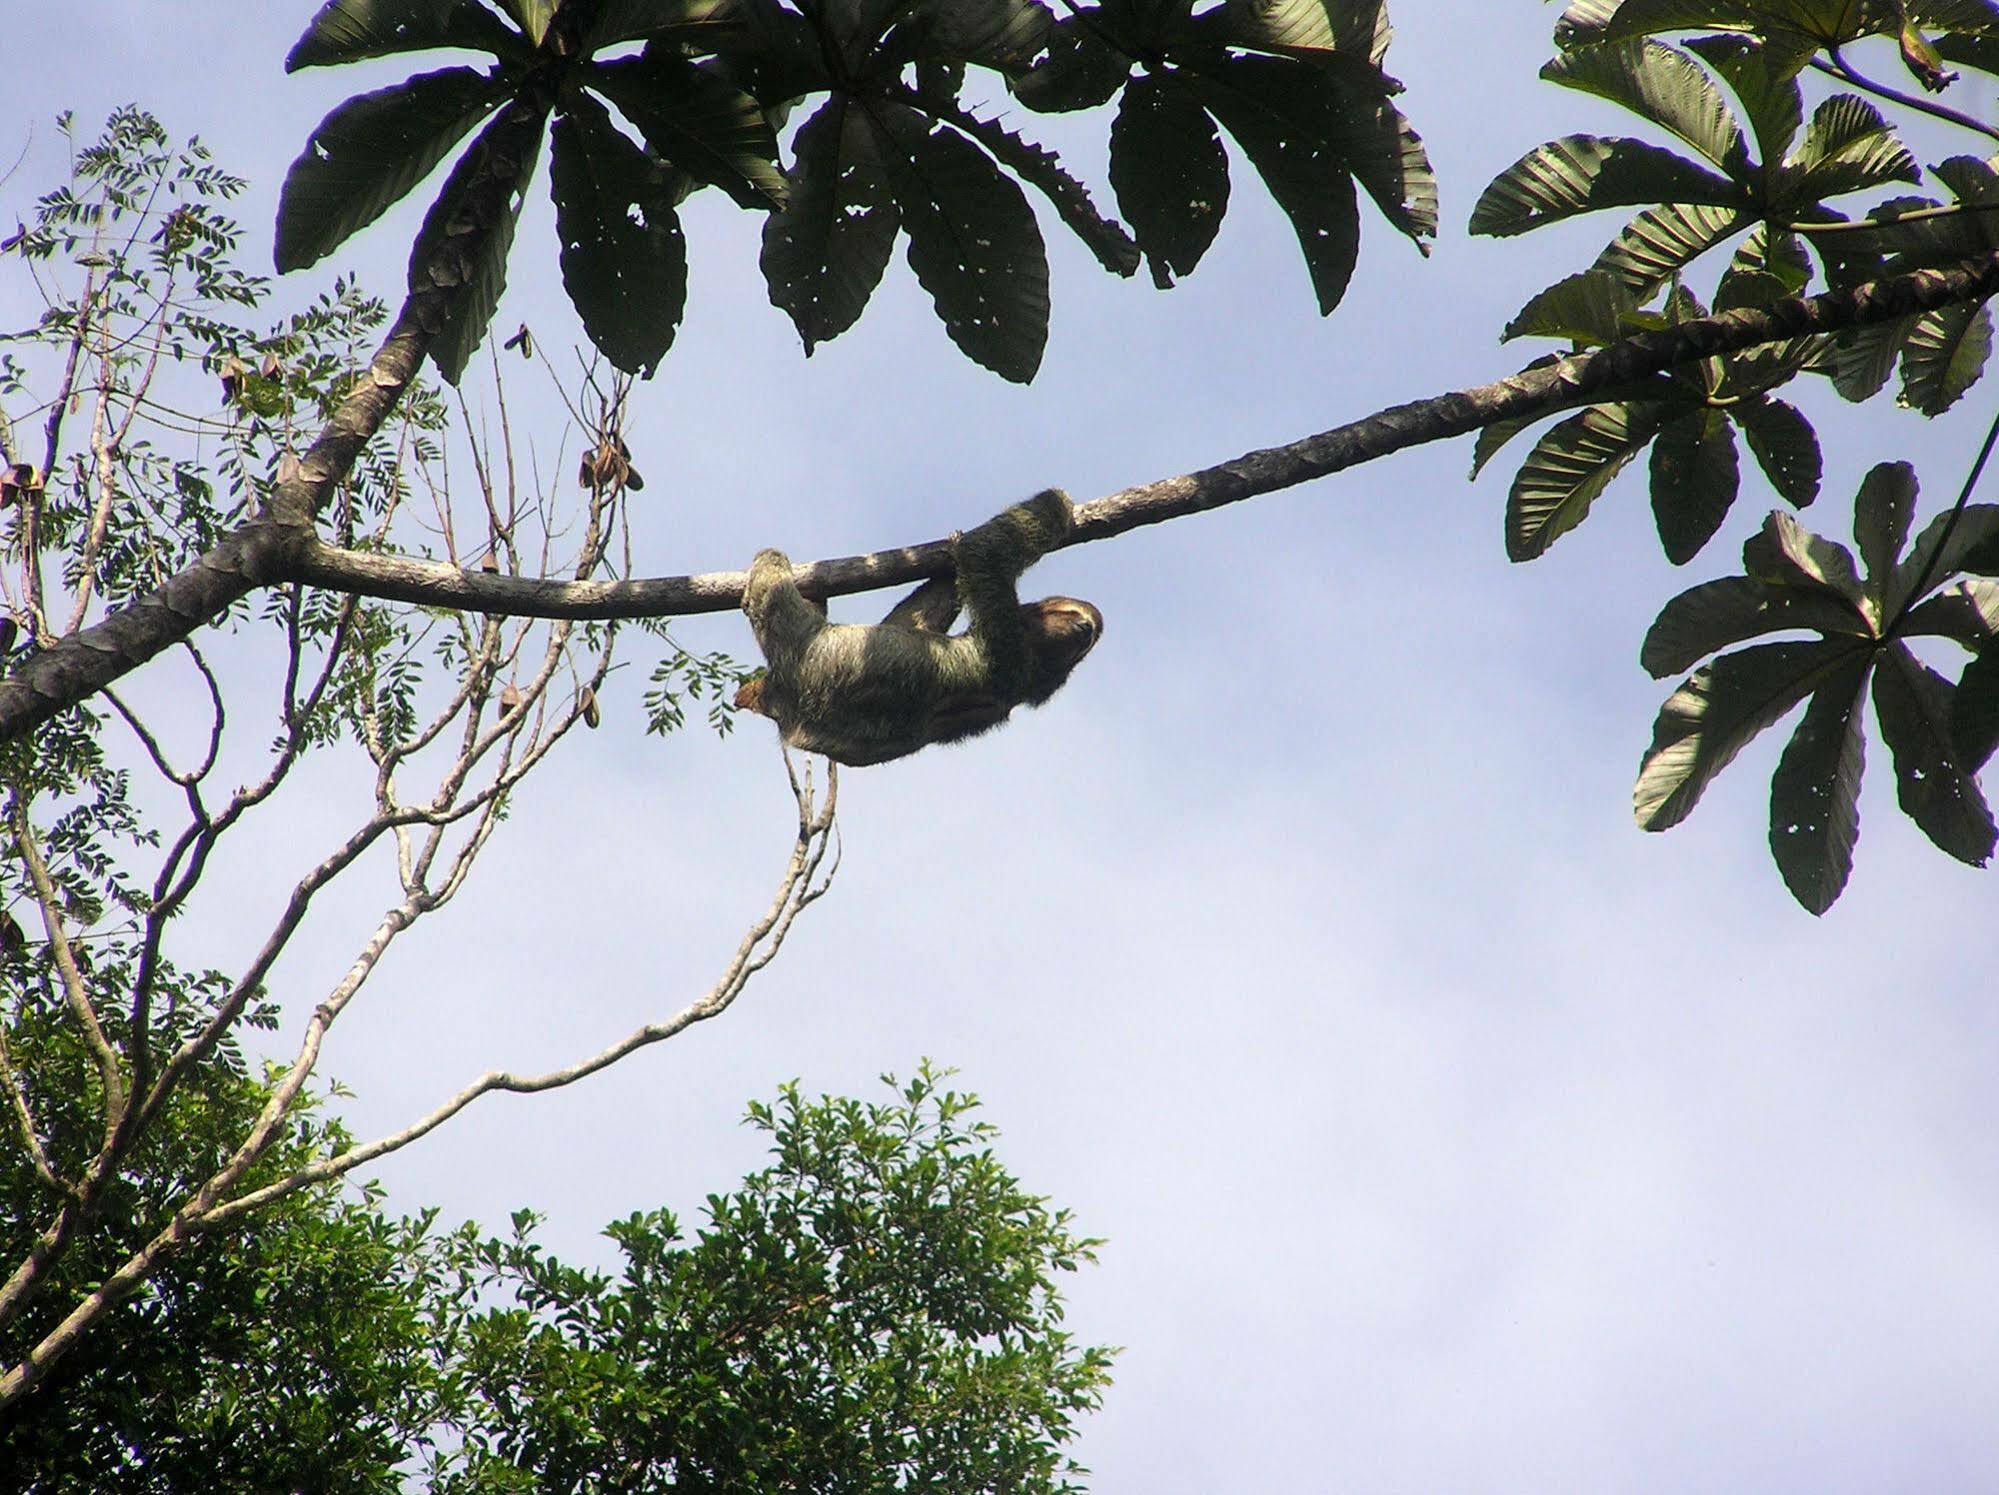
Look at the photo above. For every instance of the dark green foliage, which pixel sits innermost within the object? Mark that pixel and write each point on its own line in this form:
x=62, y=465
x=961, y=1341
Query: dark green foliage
x=1764, y=176
x=881, y=156
x=624, y=262
x=1798, y=580
x=880, y=1305
x=878, y=1309
x=297, y=1355
x=824, y=253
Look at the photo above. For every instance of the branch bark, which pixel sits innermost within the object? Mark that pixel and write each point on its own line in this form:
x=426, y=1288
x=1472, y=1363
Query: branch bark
x=73, y=668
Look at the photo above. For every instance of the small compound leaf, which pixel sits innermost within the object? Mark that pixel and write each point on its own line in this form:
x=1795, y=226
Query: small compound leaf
x=1864, y=357
x=1303, y=171
x=1935, y=790
x=1709, y=617
x=1661, y=241
x=1587, y=308
x=350, y=30
x=1079, y=70
x=1944, y=355
x=1581, y=173
x=1882, y=513
x=481, y=274
x=1974, y=711
x=698, y=120
x=973, y=242
x=1785, y=446
x=371, y=150
x=1695, y=476
x=1569, y=467
x=1658, y=83
x=824, y=254
x=624, y=261
x=1815, y=792
x=1716, y=712
x=1170, y=174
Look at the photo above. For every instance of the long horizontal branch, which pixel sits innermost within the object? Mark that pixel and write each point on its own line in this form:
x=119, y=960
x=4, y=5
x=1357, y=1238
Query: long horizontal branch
x=52, y=679
x=1558, y=386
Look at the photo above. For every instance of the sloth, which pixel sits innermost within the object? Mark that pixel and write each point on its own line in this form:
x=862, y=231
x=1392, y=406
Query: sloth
x=863, y=694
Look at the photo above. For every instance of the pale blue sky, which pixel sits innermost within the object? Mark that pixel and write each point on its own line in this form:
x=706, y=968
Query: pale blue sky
x=1449, y=1133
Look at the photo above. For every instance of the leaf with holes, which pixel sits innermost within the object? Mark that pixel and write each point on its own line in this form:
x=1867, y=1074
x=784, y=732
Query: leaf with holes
x=1935, y=789
x=1695, y=476
x=1709, y=617
x=624, y=261
x=1882, y=513
x=698, y=120
x=1785, y=447
x=1300, y=167
x=1717, y=711
x=1815, y=792
x=1170, y=174
x=973, y=242
x=824, y=254
x=370, y=151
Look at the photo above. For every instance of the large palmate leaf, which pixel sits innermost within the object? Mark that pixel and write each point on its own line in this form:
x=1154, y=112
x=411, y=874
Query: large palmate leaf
x=1582, y=173
x=482, y=271
x=351, y=30
x=1815, y=792
x=700, y=121
x=1658, y=83
x=973, y=242
x=624, y=261
x=1797, y=580
x=1170, y=173
x=371, y=150
x=1568, y=469
x=1864, y=357
x=824, y=254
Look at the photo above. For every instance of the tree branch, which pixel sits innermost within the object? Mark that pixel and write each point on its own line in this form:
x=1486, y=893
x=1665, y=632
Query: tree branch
x=1563, y=385
x=76, y=666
